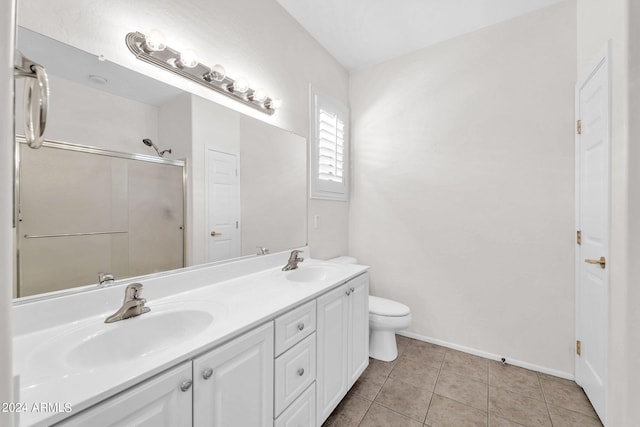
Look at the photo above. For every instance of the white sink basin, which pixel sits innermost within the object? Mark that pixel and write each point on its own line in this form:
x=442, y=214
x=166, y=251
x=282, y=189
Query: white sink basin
x=311, y=273
x=132, y=338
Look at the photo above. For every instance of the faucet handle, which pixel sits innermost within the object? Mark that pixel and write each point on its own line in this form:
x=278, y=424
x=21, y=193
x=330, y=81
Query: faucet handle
x=105, y=279
x=133, y=291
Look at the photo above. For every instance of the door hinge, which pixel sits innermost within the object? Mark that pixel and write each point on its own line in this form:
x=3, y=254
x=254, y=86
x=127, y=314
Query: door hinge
x=236, y=172
x=579, y=127
x=236, y=224
x=578, y=347
x=579, y=237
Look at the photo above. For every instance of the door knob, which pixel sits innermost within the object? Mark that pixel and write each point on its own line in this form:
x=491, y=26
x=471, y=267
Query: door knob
x=602, y=261
x=214, y=234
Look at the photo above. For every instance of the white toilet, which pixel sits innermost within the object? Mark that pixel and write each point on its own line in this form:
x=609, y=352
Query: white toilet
x=386, y=317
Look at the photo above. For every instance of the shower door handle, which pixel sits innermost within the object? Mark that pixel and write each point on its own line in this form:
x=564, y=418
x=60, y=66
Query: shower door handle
x=36, y=100
x=214, y=234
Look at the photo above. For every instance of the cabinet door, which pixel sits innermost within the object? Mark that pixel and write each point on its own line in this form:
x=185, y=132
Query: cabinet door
x=161, y=401
x=233, y=385
x=332, y=336
x=358, y=327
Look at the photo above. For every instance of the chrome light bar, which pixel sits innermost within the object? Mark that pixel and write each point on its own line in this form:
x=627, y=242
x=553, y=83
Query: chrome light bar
x=154, y=51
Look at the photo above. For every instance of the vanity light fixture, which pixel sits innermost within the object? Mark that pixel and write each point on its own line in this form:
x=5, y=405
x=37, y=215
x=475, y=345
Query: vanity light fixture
x=152, y=48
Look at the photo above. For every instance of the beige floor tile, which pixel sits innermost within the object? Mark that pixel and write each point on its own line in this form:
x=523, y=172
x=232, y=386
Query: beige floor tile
x=565, y=394
x=445, y=412
x=369, y=383
x=415, y=373
x=405, y=399
x=463, y=389
x=379, y=416
x=496, y=421
x=566, y=418
x=380, y=367
x=464, y=364
x=518, y=408
x=515, y=379
x=429, y=355
x=349, y=412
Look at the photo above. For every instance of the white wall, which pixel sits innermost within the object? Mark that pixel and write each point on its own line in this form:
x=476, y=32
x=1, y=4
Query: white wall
x=598, y=22
x=273, y=187
x=7, y=32
x=463, y=182
x=255, y=38
x=80, y=114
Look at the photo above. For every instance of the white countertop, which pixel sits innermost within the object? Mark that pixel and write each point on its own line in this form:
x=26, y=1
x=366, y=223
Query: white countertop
x=237, y=304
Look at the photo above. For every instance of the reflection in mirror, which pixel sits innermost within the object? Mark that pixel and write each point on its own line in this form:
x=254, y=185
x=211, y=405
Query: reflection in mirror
x=245, y=180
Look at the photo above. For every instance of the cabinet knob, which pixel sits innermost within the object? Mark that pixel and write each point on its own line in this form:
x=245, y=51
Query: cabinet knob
x=300, y=326
x=186, y=385
x=348, y=293
x=206, y=374
x=352, y=290
x=301, y=371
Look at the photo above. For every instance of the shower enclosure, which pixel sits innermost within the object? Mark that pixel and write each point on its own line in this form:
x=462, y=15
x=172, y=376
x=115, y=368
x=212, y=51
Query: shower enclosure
x=83, y=210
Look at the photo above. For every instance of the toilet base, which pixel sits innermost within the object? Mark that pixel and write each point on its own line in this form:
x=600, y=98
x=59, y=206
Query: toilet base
x=382, y=345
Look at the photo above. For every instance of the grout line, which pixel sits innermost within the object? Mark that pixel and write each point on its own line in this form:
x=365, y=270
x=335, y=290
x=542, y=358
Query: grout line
x=489, y=397
x=365, y=412
x=544, y=395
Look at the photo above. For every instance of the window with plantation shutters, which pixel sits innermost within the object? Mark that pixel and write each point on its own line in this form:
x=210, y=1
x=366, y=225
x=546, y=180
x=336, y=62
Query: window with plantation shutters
x=329, y=150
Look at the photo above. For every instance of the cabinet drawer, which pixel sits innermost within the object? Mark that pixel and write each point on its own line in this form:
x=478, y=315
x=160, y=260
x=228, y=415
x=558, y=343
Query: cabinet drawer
x=294, y=326
x=302, y=412
x=295, y=370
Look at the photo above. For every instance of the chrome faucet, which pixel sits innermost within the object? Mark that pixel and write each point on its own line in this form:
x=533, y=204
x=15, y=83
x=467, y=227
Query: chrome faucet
x=292, y=264
x=105, y=279
x=132, y=305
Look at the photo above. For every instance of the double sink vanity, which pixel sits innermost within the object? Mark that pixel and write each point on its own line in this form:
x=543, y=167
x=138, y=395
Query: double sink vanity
x=241, y=343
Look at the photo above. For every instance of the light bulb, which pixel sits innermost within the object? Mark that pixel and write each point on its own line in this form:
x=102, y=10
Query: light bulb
x=217, y=73
x=259, y=95
x=241, y=85
x=275, y=103
x=188, y=59
x=154, y=41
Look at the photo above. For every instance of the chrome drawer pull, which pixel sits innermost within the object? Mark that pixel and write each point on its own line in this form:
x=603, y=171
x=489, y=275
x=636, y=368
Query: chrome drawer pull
x=186, y=385
x=206, y=374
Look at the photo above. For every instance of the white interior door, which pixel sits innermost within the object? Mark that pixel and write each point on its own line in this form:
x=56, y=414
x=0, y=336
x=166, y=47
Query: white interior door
x=223, y=205
x=592, y=217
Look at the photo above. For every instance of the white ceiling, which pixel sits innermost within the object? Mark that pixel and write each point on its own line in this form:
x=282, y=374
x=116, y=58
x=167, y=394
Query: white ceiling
x=359, y=33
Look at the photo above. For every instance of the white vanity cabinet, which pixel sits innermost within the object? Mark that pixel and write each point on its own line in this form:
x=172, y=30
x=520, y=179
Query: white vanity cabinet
x=292, y=370
x=163, y=401
x=342, y=342
x=233, y=384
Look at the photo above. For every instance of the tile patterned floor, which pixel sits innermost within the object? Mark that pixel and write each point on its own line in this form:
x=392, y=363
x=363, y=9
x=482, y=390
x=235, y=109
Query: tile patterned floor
x=429, y=385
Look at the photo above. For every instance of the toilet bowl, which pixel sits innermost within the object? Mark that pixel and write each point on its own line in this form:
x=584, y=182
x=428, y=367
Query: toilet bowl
x=386, y=317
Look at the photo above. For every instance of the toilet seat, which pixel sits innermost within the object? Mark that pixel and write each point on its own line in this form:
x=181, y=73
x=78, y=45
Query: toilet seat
x=385, y=307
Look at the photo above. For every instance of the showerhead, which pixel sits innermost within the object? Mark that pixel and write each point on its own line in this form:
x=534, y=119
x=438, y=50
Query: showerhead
x=149, y=143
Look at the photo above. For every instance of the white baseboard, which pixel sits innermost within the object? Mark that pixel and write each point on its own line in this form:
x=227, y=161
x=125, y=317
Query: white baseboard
x=488, y=355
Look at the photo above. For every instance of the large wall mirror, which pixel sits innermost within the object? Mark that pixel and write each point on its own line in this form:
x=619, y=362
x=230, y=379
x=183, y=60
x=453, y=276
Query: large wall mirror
x=97, y=199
